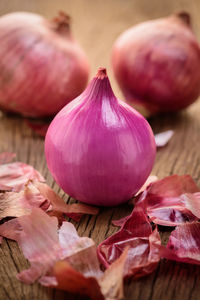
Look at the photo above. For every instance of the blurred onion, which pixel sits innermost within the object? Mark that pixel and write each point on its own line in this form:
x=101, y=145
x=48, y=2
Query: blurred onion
x=157, y=64
x=42, y=67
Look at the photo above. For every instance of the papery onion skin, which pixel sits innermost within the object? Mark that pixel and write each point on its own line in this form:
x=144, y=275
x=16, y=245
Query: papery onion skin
x=42, y=67
x=99, y=149
x=157, y=64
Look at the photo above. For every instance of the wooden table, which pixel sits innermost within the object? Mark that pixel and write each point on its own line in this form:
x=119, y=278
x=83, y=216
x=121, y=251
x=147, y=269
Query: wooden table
x=96, y=24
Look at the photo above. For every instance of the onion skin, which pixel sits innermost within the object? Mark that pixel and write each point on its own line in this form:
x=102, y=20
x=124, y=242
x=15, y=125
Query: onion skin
x=157, y=64
x=99, y=149
x=42, y=68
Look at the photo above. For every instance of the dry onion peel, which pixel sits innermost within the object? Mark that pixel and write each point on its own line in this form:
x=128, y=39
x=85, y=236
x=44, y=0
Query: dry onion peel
x=38, y=194
x=59, y=205
x=41, y=242
x=144, y=244
x=170, y=201
x=166, y=202
x=27, y=190
x=68, y=262
x=62, y=259
x=10, y=230
x=150, y=179
x=13, y=204
x=14, y=176
x=192, y=202
x=120, y=222
x=71, y=280
x=108, y=287
x=184, y=244
x=163, y=138
x=6, y=157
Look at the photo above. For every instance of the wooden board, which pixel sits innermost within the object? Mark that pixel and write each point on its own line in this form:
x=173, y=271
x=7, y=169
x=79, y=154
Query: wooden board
x=96, y=24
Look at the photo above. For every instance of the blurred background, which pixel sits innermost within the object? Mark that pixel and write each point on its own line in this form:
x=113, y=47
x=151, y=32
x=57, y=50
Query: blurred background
x=96, y=23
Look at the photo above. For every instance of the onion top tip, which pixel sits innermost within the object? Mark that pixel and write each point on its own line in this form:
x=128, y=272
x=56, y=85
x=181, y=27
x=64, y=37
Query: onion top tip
x=62, y=21
x=101, y=73
x=184, y=16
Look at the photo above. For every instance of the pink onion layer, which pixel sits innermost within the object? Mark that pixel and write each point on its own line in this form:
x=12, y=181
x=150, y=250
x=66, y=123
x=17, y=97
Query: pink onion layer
x=61, y=259
x=184, y=244
x=38, y=194
x=157, y=64
x=41, y=67
x=6, y=157
x=98, y=149
x=143, y=245
x=171, y=201
x=14, y=176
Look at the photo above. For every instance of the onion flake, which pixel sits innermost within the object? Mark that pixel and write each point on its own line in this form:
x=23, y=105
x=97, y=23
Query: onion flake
x=60, y=258
x=144, y=244
x=184, y=244
x=168, y=202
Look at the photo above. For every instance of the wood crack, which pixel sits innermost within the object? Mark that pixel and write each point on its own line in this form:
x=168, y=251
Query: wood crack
x=154, y=281
x=109, y=223
x=11, y=255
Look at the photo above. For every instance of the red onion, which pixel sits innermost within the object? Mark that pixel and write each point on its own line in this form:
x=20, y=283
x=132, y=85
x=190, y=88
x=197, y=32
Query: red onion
x=41, y=66
x=157, y=64
x=99, y=149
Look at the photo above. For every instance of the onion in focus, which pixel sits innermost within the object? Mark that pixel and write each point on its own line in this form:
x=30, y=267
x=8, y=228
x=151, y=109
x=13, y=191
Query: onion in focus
x=99, y=149
x=42, y=67
x=157, y=64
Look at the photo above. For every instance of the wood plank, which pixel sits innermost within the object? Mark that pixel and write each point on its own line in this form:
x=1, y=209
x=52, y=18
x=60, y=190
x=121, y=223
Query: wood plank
x=96, y=30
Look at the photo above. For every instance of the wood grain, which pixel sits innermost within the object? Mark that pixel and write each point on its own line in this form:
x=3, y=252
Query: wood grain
x=96, y=24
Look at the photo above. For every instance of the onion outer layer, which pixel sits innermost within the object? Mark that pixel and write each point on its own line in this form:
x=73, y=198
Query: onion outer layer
x=99, y=149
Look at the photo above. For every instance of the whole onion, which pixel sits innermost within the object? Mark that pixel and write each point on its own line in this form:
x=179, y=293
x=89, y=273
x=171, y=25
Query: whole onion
x=99, y=149
x=157, y=64
x=42, y=67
